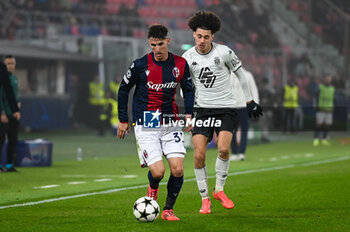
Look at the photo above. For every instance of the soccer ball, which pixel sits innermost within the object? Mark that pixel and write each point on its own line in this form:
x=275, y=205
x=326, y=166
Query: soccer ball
x=146, y=209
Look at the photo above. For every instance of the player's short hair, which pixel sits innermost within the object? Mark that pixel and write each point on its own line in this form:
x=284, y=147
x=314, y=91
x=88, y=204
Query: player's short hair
x=157, y=31
x=8, y=57
x=205, y=20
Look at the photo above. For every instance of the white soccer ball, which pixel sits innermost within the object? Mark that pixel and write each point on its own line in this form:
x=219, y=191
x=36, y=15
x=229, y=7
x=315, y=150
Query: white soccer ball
x=146, y=209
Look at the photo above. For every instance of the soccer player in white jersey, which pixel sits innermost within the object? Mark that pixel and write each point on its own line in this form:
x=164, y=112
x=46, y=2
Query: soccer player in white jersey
x=211, y=65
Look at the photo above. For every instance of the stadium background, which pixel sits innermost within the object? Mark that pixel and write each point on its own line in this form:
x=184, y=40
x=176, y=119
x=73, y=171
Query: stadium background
x=285, y=185
x=61, y=45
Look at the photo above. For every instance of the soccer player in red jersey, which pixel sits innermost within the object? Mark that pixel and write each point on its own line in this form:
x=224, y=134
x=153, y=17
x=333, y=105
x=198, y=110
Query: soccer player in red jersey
x=156, y=77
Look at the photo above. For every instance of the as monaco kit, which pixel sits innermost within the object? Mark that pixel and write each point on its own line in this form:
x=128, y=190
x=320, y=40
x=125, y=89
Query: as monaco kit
x=212, y=77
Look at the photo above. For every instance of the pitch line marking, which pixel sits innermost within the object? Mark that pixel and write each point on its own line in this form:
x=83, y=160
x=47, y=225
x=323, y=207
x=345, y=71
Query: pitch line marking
x=187, y=180
x=102, y=180
x=97, y=176
x=77, y=182
x=46, y=187
x=308, y=155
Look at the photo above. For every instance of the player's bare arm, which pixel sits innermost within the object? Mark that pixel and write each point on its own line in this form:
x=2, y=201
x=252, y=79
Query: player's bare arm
x=123, y=128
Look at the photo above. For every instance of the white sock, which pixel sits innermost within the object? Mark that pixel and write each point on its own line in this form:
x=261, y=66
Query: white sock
x=221, y=168
x=202, y=181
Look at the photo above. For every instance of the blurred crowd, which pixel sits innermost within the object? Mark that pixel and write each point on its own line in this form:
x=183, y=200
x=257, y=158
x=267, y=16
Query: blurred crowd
x=325, y=20
x=249, y=25
x=254, y=40
x=92, y=18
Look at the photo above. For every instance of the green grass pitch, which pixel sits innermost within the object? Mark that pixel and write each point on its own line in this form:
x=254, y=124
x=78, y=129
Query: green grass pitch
x=282, y=186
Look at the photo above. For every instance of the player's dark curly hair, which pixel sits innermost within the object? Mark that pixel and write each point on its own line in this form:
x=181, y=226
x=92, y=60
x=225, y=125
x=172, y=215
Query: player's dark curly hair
x=157, y=31
x=205, y=20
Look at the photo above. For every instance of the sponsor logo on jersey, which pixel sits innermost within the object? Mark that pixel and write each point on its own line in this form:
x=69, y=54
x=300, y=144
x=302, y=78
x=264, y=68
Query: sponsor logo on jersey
x=206, y=77
x=194, y=63
x=147, y=72
x=157, y=87
x=176, y=72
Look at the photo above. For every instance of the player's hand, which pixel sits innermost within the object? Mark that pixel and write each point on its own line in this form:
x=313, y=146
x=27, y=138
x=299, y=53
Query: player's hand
x=17, y=115
x=188, y=118
x=123, y=127
x=4, y=118
x=254, y=110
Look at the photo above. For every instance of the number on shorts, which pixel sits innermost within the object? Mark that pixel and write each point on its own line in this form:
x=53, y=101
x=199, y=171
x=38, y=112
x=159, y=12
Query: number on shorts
x=177, y=137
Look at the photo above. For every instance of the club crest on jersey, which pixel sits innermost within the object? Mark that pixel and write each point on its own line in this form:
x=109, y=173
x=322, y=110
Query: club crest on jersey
x=176, y=72
x=217, y=61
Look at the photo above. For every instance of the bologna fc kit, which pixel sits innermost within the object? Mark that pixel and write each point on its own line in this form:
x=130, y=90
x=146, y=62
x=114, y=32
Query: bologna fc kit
x=156, y=84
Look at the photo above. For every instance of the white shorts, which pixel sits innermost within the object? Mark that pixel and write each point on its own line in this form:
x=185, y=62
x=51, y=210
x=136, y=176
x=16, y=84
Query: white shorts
x=153, y=144
x=324, y=118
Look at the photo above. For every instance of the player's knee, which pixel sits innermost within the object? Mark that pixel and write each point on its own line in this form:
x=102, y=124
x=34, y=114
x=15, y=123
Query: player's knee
x=199, y=161
x=224, y=153
x=158, y=173
x=177, y=171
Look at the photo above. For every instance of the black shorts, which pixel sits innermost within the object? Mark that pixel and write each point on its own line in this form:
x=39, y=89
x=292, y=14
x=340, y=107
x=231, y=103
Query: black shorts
x=227, y=116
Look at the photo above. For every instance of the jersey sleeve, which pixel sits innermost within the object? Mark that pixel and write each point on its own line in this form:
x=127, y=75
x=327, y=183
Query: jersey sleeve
x=253, y=87
x=243, y=80
x=129, y=80
x=188, y=90
x=231, y=60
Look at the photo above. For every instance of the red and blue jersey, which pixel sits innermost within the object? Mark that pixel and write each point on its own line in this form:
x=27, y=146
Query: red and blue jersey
x=156, y=84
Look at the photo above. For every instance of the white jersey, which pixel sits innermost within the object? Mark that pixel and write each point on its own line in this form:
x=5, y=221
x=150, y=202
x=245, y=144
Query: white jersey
x=239, y=91
x=211, y=75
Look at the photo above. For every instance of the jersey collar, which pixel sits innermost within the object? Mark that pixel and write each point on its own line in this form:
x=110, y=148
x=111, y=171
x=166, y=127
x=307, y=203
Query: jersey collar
x=211, y=48
x=160, y=63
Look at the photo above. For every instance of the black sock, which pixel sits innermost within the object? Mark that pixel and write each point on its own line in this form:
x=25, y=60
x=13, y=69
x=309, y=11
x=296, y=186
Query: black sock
x=317, y=133
x=154, y=183
x=325, y=133
x=174, y=187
